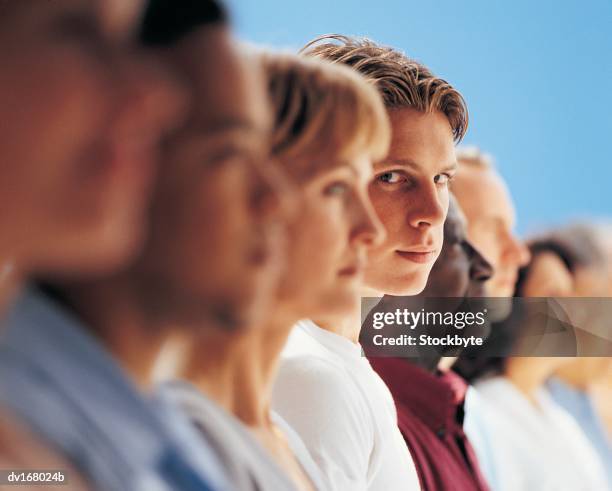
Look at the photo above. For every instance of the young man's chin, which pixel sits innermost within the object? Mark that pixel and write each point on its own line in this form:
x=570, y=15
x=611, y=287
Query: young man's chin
x=405, y=286
x=409, y=290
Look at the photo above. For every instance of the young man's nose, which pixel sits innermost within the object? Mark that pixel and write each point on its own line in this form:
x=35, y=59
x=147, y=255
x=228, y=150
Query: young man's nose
x=429, y=210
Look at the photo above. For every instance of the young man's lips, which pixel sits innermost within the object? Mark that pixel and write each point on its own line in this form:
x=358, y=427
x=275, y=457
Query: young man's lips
x=418, y=257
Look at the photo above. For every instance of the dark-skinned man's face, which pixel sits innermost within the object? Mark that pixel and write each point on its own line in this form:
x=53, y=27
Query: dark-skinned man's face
x=460, y=270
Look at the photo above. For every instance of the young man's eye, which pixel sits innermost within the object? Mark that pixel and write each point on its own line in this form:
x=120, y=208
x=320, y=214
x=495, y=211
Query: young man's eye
x=391, y=177
x=335, y=189
x=442, y=178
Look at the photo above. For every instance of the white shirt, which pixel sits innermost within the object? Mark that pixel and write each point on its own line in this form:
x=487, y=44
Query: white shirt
x=521, y=447
x=246, y=461
x=343, y=412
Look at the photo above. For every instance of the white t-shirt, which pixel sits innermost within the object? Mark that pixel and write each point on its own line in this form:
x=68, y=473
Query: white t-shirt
x=522, y=447
x=343, y=411
x=247, y=463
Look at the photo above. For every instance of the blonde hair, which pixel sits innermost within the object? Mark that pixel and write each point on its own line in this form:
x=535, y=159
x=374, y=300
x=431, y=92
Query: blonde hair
x=402, y=81
x=323, y=112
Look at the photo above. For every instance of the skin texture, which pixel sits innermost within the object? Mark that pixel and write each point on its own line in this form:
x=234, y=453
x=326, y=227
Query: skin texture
x=82, y=115
x=487, y=205
x=410, y=194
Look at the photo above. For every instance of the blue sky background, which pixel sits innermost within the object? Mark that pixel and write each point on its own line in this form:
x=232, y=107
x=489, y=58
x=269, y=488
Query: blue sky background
x=537, y=77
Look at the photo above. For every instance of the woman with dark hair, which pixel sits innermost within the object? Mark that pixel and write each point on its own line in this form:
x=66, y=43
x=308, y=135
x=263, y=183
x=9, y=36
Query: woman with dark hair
x=581, y=265
x=564, y=263
x=523, y=439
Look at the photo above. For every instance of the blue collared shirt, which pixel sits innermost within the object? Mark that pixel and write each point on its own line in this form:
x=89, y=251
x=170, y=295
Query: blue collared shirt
x=62, y=382
x=579, y=405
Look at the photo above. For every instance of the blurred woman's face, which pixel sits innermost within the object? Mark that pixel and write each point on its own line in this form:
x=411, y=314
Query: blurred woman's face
x=215, y=246
x=329, y=237
x=548, y=277
x=78, y=134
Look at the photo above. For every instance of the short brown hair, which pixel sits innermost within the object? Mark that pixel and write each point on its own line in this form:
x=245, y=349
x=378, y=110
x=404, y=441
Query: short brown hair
x=401, y=81
x=323, y=110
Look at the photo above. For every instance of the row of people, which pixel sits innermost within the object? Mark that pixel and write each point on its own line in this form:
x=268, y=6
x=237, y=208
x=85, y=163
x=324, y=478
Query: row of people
x=187, y=242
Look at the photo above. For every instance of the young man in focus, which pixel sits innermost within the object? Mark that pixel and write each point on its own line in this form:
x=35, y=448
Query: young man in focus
x=428, y=395
x=326, y=390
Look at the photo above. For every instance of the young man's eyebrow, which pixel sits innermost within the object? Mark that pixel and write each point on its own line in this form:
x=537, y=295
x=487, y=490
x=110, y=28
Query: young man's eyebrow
x=402, y=162
x=411, y=164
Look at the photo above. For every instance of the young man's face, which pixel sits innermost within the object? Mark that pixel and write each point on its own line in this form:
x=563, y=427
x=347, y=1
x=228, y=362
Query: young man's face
x=82, y=112
x=410, y=195
x=217, y=212
x=485, y=200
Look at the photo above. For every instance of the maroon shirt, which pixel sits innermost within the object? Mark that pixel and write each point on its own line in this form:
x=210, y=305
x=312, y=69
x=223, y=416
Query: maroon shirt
x=430, y=417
